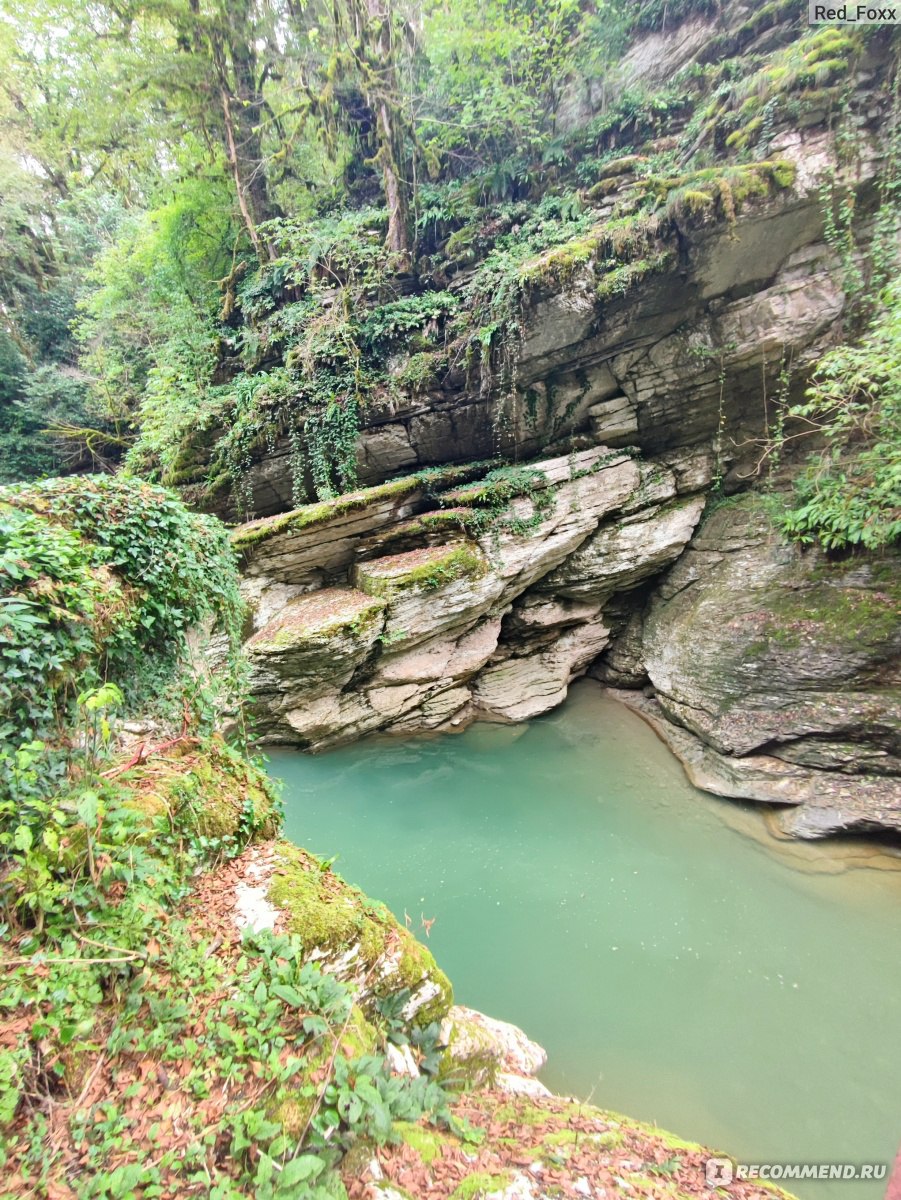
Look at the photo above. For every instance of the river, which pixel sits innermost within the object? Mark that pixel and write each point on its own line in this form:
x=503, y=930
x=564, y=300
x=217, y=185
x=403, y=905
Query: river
x=677, y=962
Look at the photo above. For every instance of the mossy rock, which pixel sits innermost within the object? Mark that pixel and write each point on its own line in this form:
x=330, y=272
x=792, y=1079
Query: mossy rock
x=212, y=789
x=605, y=187
x=426, y=529
x=426, y=1141
x=246, y=536
x=308, y=621
x=427, y=568
x=332, y=918
x=325, y=912
x=480, y=1184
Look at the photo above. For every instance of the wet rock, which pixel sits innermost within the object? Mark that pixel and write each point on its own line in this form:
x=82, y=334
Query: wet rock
x=785, y=667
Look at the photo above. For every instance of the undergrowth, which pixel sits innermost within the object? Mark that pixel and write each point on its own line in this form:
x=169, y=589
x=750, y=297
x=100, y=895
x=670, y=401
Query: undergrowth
x=850, y=492
x=145, y=1049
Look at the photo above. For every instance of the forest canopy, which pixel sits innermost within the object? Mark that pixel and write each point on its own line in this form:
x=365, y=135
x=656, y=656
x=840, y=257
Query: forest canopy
x=231, y=224
x=151, y=152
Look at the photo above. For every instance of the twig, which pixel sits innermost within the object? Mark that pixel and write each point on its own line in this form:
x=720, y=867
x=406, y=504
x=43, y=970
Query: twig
x=142, y=754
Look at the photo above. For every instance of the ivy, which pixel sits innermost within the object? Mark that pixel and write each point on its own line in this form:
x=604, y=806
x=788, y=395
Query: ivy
x=850, y=493
x=100, y=578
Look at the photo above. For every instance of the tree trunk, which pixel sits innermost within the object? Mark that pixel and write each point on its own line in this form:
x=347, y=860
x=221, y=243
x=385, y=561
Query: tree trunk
x=242, y=108
x=372, y=25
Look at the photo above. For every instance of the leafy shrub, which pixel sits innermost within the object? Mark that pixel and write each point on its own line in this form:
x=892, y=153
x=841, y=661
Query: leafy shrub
x=850, y=494
x=100, y=577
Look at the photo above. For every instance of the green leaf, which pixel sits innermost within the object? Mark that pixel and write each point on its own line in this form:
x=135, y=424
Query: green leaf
x=289, y=994
x=23, y=839
x=299, y=1169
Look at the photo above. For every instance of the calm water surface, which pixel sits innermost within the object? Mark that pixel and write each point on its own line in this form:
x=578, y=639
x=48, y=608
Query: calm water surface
x=677, y=963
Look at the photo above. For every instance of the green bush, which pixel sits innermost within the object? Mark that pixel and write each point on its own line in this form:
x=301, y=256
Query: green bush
x=850, y=493
x=100, y=578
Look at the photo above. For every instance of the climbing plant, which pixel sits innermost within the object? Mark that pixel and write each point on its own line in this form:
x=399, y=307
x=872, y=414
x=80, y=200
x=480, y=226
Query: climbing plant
x=850, y=492
x=101, y=578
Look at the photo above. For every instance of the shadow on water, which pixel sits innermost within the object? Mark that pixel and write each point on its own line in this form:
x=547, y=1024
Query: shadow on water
x=678, y=962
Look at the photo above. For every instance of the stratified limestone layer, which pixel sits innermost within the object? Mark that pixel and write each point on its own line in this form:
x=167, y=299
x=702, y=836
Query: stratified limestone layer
x=429, y=637
x=783, y=670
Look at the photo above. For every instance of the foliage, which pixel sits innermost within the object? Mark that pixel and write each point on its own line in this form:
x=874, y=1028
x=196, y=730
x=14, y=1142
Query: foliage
x=850, y=494
x=513, y=499
x=743, y=106
x=500, y=69
x=242, y=290
x=262, y=1056
x=100, y=578
x=658, y=14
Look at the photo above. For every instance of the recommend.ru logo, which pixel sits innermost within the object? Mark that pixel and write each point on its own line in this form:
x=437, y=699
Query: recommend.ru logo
x=720, y=1172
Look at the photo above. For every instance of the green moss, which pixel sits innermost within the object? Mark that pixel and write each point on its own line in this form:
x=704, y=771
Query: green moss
x=846, y=615
x=605, y=187
x=328, y=914
x=421, y=371
x=416, y=965
x=221, y=794
x=427, y=1142
x=524, y=1112
x=359, y=1035
x=317, y=617
x=428, y=568
x=559, y=264
x=724, y=187
x=248, y=535
x=325, y=912
x=625, y=165
x=669, y=1140
x=622, y=279
x=610, y=1139
x=477, y=1070
x=563, y=1137
x=480, y=1184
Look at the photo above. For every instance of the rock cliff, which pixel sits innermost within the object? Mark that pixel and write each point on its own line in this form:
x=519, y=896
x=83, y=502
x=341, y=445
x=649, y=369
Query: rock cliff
x=650, y=357
x=488, y=602
x=776, y=673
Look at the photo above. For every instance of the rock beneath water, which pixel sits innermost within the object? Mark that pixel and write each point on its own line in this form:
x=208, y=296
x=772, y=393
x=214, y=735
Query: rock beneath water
x=816, y=803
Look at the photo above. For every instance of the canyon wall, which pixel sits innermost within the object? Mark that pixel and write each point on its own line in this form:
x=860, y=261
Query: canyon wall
x=628, y=532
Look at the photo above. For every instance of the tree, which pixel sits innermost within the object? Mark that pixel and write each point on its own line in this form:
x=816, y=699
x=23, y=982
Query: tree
x=367, y=36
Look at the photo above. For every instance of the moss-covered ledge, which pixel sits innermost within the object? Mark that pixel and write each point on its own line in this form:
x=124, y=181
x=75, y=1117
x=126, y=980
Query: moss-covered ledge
x=429, y=568
x=246, y=536
x=322, y=617
x=356, y=938
x=205, y=787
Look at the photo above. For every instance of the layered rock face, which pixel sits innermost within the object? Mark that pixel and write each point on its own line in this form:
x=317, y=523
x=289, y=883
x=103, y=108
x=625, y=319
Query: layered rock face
x=668, y=365
x=777, y=674
x=440, y=599
x=415, y=611
x=455, y=592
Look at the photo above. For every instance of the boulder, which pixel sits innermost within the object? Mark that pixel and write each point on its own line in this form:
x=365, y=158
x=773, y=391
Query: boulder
x=786, y=667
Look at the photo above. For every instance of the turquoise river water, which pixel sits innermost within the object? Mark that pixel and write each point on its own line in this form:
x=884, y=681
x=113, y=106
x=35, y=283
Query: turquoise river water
x=677, y=963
